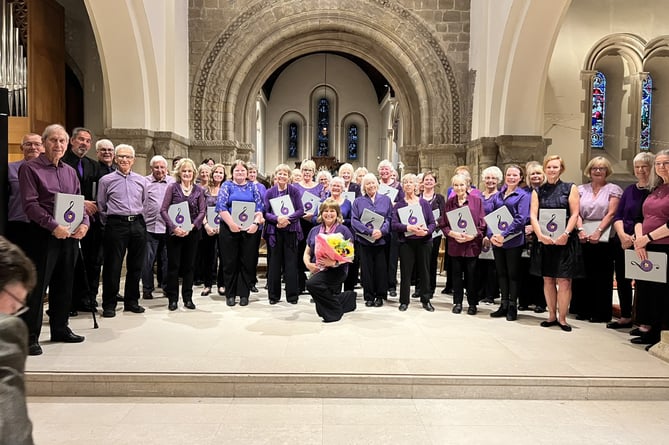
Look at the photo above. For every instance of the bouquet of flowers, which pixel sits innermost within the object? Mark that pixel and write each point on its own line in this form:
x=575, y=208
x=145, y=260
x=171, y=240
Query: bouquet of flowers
x=333, y=246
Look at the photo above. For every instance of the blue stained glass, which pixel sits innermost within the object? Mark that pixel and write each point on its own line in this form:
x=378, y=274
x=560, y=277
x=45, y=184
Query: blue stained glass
x=292, y=140
x=598, y=110
x=646, y=102
x=323, y=124
x=353, y=142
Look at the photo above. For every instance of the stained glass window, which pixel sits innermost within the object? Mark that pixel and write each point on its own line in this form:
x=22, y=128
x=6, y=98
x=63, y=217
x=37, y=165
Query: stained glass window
x=598, y=105
x=646, y=101
x=352, y=142
x=322, y=137
x=292, y=140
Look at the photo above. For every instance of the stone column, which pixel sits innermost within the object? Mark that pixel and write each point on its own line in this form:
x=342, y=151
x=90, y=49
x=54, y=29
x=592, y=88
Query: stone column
x=441, y=159
x=515, y=149
x=223, y=151
x=141, y=140
x=481, y=154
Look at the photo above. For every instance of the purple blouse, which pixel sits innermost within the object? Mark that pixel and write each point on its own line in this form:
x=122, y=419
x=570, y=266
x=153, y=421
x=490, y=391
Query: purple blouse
x=382, y=206
x=629, y=208
x=271, y=217
x=401, y=228
x=471, y=248
x=656, y=211
x=196, y=205
x=518, y=203
x=313, y=233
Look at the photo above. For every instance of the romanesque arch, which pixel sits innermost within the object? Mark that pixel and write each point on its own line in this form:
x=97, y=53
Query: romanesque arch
x=270, y=33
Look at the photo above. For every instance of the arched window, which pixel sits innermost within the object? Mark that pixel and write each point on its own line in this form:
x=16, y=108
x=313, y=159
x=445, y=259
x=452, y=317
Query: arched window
x=353, y=139
x=322, y=137
x=646, y=102
x=598, y=110
x=292, y=140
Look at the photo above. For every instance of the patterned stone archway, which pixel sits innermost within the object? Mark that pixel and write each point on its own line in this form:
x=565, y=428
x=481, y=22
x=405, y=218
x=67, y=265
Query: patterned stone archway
x=269, y=33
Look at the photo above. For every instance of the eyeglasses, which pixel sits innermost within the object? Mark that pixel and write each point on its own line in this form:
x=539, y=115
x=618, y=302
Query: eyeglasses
x=598, y=169
x=21, y=310
x=31, y=144
x=125, y=156
x=664, y=164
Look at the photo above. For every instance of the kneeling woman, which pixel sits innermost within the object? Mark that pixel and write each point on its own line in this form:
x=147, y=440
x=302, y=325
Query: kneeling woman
x=327, y=275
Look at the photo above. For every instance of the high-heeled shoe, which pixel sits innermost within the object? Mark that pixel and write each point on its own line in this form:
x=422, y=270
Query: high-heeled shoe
x=206, y=291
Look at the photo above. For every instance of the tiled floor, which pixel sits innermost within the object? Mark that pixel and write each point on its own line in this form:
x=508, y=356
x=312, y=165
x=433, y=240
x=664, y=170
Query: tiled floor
x=117, y=421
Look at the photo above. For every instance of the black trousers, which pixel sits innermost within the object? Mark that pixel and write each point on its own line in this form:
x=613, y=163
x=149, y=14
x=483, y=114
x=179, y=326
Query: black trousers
x=507, y=263
x=652, y=304
x=392, y=256
x=208, y=268
x=624, y=285
x=89, y=265
x=592, y=296
x=353, y=268
x=434, y=260
x=123, y=237
x=283, y=263
x=415, y=255
x=325, y=289
x=373, y=272
x=54, y=261
x=181, y=262
x=301, y=246
x=464, y=266
x=486, y=279
x=238, y=262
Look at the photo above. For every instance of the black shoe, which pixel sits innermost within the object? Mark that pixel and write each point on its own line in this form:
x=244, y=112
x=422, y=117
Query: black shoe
x=636, y=332
x=457, y=309
x=647, y=338
x=230, y=301
x=172, y=306
x=271, y=301
x=415, y=295
x=244, y=301
x=428, y=306
x=295, y=301
x=447, y=290
x=501, y=311
x=34, y=349
x=565, y=327
x=582, y=317
x=512, y=313
x=189, y=305
x=205, y=292
x=487, y=300
x=403, y=307
x=548, y=324
x=119, y=297
x=647, y=348
x=221, y=291
x=392, y=292
x=74, y=313
x=619, y=325
x=109, y=313
x=472, y=310
x=369, y=303
x=147, y=295
x=378, y=302
x=135, y=308
x=523, y=308
x=67, y=336
x=254, y=288
x=538, y=309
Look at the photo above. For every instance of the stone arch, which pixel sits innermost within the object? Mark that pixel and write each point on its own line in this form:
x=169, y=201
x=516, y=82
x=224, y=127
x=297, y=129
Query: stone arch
x=238, y=62
x=629, y=46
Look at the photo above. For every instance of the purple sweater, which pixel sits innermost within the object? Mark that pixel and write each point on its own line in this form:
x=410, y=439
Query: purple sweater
x=401, y=228
x=196, y=205
x=271, y=217
x=382, y=206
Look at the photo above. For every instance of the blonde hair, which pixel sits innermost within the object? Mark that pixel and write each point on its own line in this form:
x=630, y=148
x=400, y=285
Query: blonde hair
x=180, y=165
x=598, y=160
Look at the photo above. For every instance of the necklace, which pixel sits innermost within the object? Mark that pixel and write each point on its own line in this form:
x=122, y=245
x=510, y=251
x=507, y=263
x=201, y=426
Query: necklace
x=186, y=190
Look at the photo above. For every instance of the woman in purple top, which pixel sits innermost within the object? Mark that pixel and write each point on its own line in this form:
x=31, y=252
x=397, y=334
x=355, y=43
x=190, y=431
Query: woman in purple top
x=598, y=202
x=437, y=203
x=307, y=184
x=651, y=233
x=509, y=241
x=208, y=264
x=283, y=233
x=327, y=275
x=239, y=243
x=486, y=274
x=629, y=209
x=182, y=244
x=414, y=248
x=463, y=248
x=371, y=239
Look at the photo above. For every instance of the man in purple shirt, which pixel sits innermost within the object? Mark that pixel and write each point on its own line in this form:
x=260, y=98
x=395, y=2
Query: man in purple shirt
x=121, y=197
x=17, y=221
x=52, y=248
x=156, y=237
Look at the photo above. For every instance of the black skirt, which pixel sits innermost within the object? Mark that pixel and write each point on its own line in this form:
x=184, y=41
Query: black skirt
x=558, y=261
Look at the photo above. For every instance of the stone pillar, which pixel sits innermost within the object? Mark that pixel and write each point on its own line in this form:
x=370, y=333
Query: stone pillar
x=481, y=154
x=441, y=159
x=223, y=151
x=514, y=149
x=148, y=143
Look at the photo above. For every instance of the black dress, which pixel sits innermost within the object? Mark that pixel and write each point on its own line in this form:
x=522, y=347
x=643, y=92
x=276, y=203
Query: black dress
x=557, y=261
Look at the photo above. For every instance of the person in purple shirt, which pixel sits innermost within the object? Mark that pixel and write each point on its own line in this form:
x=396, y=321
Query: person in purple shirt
x=283, y=233
x=414, y=248
x=121, y=198
x=253, y=177
x=327, y=275
x=463, y=248
x=182, y=242
x=373, y=265
x=52, y=247
x=17, y=221
x=156, y=237
x=509, y=240
x=240, y=251
x=629, y=208
x=388, y=176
